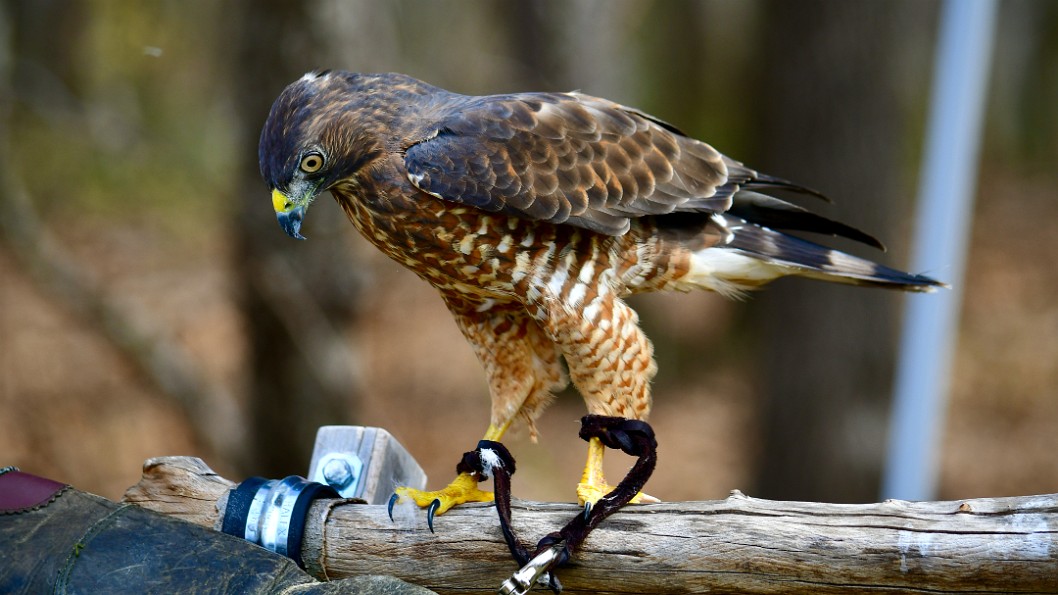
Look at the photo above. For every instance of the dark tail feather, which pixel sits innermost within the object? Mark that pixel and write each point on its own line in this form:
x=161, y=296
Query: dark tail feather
x=820, y=262
x=768, y=211
x=751, y=179
x=760, y=180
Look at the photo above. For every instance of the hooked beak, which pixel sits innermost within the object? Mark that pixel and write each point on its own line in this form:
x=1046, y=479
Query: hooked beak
x=289, y=214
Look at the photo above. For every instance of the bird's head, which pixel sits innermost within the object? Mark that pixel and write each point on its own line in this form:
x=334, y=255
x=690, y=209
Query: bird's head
x=311, y=141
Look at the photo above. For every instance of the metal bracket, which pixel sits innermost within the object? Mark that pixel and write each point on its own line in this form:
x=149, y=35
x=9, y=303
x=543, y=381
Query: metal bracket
x=363, y=462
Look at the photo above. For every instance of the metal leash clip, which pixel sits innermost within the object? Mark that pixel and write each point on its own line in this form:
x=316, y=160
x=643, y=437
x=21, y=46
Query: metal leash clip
x=533, y=572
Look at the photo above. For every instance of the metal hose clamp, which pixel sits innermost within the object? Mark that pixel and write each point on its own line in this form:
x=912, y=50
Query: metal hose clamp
x=271, y=513
x=268, y=522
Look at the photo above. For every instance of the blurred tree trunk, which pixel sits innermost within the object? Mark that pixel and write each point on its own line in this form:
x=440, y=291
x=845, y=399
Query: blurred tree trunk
x=297, y=298
x=530, y=32
x=42, y=75
x=831, y=119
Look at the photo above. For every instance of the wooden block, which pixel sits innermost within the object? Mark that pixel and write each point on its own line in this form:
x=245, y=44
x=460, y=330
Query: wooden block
x=386, y=464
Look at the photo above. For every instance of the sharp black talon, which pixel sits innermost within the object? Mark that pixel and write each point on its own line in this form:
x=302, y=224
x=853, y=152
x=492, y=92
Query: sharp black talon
x=431, y=511
x=587, y=511
x=392, y=500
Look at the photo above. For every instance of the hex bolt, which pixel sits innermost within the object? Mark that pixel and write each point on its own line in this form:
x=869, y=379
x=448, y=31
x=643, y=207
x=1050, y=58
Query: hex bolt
x=338, y=473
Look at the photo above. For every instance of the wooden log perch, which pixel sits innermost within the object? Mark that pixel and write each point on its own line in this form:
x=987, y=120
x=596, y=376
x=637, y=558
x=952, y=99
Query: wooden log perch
x=736, y=545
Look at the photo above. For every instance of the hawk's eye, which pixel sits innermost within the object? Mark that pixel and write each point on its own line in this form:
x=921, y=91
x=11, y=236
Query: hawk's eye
x=311, y=163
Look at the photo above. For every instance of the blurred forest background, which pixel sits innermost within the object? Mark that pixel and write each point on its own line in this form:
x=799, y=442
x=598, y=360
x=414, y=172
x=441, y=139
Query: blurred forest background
x=142, y=311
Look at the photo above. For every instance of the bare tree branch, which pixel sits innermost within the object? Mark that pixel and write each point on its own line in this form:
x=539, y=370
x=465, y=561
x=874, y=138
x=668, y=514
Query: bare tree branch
x=736, y=545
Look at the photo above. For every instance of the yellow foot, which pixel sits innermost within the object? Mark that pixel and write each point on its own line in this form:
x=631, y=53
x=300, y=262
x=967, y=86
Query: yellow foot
x=464, y=488
x=590, y=493
x=593, y=486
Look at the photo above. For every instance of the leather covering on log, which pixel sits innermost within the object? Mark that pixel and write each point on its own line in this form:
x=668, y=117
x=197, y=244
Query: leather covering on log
x=55, y=539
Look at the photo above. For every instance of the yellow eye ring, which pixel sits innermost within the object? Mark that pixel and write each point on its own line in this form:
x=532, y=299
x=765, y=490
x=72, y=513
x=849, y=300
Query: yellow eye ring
x=311, y=163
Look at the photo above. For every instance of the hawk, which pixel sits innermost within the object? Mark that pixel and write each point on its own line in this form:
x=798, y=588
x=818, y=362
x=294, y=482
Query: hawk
x=534, y=215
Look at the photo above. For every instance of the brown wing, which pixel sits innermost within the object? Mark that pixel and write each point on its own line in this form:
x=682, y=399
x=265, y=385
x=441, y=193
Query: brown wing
x=569, y=158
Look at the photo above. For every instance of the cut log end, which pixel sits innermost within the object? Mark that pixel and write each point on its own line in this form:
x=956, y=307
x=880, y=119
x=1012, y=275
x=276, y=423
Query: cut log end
x=184, y=487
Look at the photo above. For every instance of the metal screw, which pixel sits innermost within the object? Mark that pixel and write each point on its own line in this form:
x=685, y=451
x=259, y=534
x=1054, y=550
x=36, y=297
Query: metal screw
x=338, y=473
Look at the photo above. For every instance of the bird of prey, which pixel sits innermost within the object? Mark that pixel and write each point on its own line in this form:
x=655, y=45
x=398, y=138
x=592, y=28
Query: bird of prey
x=534, y=215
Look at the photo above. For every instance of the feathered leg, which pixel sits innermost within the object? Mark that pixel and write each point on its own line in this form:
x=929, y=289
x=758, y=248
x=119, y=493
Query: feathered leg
x=523, y=370
x=611, y=362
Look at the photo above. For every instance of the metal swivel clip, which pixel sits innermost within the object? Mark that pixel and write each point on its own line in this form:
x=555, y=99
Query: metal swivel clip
x=533, y=572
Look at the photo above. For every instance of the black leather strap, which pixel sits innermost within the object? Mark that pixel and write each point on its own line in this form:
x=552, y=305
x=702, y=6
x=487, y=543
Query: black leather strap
x=238, y=507
x=312, y=492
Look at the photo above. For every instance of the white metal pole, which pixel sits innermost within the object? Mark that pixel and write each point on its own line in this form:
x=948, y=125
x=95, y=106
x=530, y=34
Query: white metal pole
x=943, y=215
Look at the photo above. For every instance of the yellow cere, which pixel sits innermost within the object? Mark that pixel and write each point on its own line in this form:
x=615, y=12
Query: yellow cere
x=280, y=202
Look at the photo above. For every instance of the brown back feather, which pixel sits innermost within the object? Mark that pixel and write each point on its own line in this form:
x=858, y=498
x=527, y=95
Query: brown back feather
x=567, y=158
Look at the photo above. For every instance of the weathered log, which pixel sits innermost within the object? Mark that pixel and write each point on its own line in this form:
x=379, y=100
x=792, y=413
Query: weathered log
x=736, y=545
